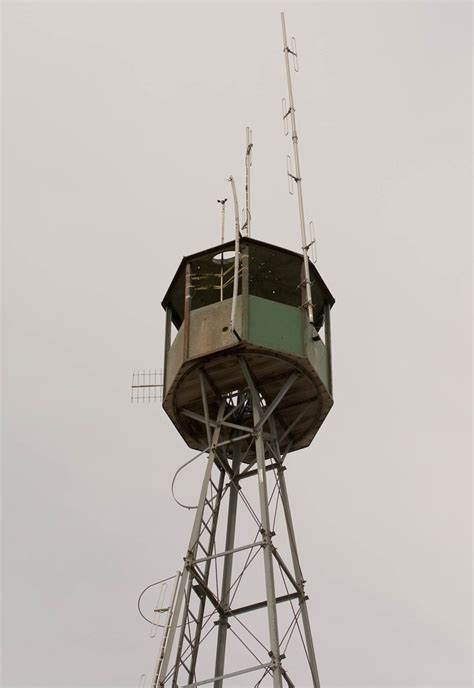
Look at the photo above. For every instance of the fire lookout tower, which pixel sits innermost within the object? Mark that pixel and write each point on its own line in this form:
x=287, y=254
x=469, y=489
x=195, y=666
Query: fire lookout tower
x=247, y=381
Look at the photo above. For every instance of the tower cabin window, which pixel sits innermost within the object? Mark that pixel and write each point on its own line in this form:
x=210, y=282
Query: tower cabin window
x=277, y=275
x=273, y=273
x=212, y=278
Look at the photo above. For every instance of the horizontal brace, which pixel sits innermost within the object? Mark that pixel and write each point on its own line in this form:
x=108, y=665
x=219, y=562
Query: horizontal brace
x=261, y=605
x=214, y=423
x=248, y=474
x=140, y=386
x=234, y=439
x=203, y=588
x=230, y=551
x=205, y=275
x=234, y=426
x=268, y=665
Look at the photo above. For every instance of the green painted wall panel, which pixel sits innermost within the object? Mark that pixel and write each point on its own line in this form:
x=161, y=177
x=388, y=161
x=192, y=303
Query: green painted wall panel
x=318, y=357
x=276, y=325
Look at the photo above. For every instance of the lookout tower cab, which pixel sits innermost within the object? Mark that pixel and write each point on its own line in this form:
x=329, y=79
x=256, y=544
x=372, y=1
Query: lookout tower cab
x=270, y=329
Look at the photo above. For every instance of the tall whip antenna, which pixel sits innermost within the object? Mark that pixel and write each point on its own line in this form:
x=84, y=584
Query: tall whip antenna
x=296, y=177
x=248, y=164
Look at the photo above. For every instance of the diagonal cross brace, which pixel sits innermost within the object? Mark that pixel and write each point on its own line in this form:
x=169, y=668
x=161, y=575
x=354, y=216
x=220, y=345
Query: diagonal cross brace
x=270, y=409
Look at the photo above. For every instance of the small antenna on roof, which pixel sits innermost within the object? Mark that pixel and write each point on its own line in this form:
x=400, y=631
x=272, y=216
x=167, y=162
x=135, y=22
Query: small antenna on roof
x=296, y=177
x=222, y=202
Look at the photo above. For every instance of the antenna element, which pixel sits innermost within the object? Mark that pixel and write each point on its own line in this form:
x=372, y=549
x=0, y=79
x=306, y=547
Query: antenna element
x=147, y=385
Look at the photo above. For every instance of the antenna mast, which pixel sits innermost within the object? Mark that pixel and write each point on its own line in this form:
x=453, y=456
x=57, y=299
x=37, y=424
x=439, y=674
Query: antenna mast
x=248, y=164
x=237, y=255
x=222, y=202
x=297, y=176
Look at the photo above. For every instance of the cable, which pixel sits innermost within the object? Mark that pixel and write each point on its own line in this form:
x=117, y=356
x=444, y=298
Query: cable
x=163, y=580
x=289, y=631
x=245, y=645
x=185, y=506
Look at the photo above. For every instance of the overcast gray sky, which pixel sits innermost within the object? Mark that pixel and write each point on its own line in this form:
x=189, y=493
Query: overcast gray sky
x=121, y=122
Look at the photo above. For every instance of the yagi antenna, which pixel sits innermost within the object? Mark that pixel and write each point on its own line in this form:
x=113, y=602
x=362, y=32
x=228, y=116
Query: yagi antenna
x=147, y=385
x=248, y=164
x=289, y=113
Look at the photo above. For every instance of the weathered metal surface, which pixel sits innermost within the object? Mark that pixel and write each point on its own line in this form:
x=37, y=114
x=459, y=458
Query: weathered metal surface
x=304, y=407
x=174, y=359
x=271, y=328
x=319, y=358
x=208, y=332
x=209, y=327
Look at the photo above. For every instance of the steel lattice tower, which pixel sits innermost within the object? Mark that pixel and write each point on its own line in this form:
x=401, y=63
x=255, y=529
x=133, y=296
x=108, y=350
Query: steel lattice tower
x=247, y=380
x=246, y=399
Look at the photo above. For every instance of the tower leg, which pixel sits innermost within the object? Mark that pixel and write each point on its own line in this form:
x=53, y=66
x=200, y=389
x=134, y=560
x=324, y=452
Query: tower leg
x=299, y=578
x=267, y=534
x=227, y=569
x=190, y=650
x=295, y=558
x=161, y=674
